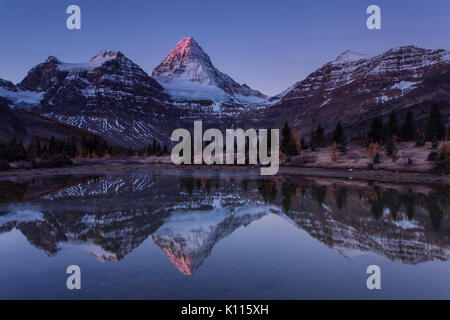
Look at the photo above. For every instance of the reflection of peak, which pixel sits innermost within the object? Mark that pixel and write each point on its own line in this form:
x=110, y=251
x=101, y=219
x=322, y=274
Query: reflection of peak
x=188, y=237
x=95, y=250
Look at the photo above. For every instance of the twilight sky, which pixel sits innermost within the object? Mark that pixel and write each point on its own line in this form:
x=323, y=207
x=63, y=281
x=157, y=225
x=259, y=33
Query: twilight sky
x=267, y=44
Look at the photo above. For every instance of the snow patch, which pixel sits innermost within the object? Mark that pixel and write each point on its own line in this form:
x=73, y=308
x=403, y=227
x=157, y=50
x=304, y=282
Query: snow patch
x=22, y=98
x=95, y=62
x=404, y=85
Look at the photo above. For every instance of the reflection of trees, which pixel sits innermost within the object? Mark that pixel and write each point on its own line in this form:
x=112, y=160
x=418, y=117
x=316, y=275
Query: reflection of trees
x=12, y=192
x=339, y=195
x=436, y=203
x=268, y=190
x=244, y=184
x=408, y=202
x=375, y=200
x=208, y=186
x=288, y=189
x=319, y=193
x=187, y=184
x=198, y=184
x=392, y=200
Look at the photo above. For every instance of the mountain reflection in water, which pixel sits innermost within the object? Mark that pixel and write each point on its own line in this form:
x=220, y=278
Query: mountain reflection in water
x=186, y=216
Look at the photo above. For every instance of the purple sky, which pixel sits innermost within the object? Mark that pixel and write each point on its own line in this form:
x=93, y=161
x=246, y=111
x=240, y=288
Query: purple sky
x=267, y=44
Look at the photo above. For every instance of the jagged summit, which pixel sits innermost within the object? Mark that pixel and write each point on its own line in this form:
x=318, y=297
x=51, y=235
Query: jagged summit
x=104, y=55
x=186, y=51
x=187, y=60
x=188, y=73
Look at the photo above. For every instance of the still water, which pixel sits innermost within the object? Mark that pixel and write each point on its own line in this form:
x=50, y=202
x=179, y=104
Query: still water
x=221, y=235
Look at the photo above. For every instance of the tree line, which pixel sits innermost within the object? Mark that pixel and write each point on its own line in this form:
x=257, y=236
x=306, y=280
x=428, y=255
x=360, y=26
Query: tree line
x=153, y=149
x=379, y=133
x=16, y=150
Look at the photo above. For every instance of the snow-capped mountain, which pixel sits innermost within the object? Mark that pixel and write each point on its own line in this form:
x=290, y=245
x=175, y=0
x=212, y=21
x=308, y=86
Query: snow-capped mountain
x=403, y=63
x=353, y=88
x=111, y=96
x=187, y=73
x=108, y=95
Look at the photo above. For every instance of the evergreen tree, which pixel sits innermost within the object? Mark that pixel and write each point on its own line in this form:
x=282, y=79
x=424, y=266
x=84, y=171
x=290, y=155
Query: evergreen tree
x=269, y=139
x=339, y=137
x=3, y=153
x=159, y=150
x=376, y=132
x=288, y=142
x=318, y=138
x=420, y=138
x=303, y=143
x=34, y=149
x=435, y=128
x=393, y=127
x=154, y=147
x=15, y=150
x=391, y=146
x=285, y=137
x=149, y=150
x=407, y=131
x=52, y=146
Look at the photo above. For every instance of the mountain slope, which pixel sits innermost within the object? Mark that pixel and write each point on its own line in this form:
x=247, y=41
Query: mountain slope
x=354, y=88
x=109, y=95
x=24, y=125
x=188, y=73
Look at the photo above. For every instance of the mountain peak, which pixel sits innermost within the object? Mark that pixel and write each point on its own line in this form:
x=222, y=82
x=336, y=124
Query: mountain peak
x=104, y=55
x=188, y=73
x=187, y=46
x=186, y=52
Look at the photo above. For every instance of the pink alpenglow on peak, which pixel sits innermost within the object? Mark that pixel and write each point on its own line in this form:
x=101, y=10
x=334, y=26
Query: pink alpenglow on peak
x=187, y=73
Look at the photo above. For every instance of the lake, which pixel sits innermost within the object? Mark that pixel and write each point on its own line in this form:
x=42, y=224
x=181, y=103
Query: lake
x=221, y=235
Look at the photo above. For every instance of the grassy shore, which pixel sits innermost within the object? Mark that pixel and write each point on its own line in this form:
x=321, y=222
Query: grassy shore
x=105, y=166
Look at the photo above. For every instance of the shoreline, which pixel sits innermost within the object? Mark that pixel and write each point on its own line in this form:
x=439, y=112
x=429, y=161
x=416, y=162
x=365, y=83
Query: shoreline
x=378, y=175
